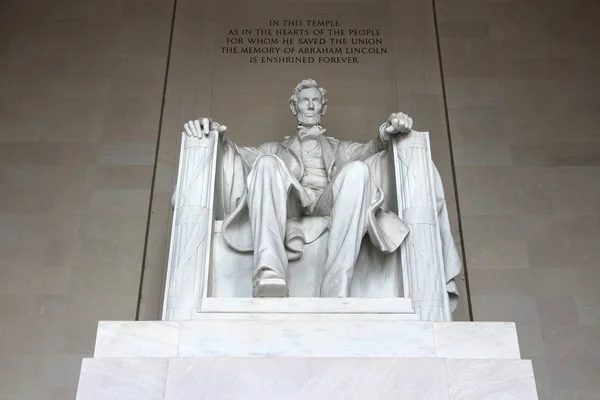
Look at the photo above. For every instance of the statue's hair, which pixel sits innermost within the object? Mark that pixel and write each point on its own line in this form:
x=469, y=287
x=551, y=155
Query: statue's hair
x=307, y=84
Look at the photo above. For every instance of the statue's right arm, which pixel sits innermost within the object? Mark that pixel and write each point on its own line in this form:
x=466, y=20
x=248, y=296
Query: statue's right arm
x=202, y=127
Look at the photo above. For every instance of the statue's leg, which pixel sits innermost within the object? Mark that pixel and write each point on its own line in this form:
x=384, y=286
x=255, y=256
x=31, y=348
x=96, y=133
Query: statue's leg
x=268, y=187
x=351, y=193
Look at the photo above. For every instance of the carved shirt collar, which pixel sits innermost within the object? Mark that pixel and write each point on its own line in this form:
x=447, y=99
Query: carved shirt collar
x=315, y=131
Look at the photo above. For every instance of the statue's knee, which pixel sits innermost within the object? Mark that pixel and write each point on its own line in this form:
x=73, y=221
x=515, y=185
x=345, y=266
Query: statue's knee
x=357, y=171
x=268, y=161
x=267, y=167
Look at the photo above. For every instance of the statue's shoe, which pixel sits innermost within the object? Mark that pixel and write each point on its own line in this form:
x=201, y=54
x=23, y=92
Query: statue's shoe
x=270, y=287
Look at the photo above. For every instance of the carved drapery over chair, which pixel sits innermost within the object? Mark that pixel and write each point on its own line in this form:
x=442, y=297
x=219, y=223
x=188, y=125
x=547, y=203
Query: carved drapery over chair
x=204, y=275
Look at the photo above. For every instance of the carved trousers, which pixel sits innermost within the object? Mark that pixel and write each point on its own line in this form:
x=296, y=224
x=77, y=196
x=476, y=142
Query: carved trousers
x=346, y=201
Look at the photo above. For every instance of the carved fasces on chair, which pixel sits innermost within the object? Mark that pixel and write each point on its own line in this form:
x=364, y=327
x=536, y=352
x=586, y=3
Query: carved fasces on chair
x=421, y=252
x=187, y=275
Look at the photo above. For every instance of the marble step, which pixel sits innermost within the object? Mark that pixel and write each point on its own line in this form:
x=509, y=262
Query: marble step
x=305, y=379
x=399, y=306
x=294, y=335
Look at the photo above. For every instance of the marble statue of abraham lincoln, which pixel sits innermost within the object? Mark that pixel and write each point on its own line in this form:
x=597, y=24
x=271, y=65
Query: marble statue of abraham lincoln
x=307, y=174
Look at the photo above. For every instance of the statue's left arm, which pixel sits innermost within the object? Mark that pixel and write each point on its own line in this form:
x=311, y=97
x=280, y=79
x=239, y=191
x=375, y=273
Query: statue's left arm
x=397, y=123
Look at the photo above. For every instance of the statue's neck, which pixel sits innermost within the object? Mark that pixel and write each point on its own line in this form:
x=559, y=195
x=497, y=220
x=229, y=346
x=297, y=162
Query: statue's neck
x=310, y=130
x=302, y=127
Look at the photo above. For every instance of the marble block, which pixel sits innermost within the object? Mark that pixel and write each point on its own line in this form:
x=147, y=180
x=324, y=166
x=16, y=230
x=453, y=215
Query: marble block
x=301, y=378
x=400, y=306
x=137, y=339
x=490, y=380
x=307, y=335
x=476, y=340
x=306, y=378
x=290, y=338
x=118, y=378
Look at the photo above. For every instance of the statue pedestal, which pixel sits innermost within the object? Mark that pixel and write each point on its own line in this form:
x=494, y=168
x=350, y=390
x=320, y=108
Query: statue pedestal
x=306, y=356
x=391, y=339
x=399, y=307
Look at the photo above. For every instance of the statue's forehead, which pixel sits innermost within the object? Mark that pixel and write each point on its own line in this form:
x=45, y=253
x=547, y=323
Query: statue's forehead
x=309, y=92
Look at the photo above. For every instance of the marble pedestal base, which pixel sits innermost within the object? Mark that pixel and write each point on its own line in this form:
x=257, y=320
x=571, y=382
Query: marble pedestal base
x=312, y=356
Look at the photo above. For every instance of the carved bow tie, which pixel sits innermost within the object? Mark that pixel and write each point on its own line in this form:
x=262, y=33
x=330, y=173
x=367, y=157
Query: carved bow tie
x=305, y=132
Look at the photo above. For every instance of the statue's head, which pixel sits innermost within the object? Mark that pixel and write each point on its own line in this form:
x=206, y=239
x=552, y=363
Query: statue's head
x=308, y=103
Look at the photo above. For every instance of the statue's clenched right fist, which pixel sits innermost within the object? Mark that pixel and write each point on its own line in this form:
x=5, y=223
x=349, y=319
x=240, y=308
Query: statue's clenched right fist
x=203, y=127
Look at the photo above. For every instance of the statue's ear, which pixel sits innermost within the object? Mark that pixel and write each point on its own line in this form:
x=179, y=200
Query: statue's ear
x=293, y=108
x=324, y=109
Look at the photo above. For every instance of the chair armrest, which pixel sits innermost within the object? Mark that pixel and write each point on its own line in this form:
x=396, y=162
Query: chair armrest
x=421, y=252
x=191, y=233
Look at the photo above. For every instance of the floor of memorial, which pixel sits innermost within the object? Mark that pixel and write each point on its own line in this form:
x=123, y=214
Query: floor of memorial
x=80, y=103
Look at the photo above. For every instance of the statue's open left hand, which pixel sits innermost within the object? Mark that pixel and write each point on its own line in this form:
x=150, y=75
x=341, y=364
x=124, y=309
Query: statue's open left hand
x=399, y=123
x=202, y=127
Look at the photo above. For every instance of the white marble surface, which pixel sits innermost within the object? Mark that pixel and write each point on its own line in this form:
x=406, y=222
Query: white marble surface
x=289, y=338
x=306, y=379
x=115, y=378
x=306, y=316
x=137, y=339
x=490, y=380
x=350, y=305
x=309, y=335
x=476, y=340
x=313, y=378
x=430, y=261
x=190, y=248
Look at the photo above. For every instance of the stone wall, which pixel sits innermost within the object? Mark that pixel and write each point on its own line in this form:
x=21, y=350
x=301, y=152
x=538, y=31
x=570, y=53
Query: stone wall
x=523, y=85
x=81, y=85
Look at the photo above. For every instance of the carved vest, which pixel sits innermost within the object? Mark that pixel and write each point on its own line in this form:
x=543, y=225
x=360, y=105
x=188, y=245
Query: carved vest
x=315, y=176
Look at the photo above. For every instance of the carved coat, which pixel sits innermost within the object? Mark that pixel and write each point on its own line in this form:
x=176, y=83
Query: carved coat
x=385, y=228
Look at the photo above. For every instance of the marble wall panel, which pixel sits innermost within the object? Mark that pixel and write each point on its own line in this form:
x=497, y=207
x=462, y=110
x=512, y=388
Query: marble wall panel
x=521, y=81
x=79, y=109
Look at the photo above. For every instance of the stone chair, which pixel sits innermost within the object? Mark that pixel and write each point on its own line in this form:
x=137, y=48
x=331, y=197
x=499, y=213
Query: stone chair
x=205, y=275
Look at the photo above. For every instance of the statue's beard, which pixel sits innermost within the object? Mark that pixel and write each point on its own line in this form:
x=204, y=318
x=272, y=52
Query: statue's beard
x=306, y=120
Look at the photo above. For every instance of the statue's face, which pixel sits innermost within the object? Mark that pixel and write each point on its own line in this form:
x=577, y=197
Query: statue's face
x=310, y=107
